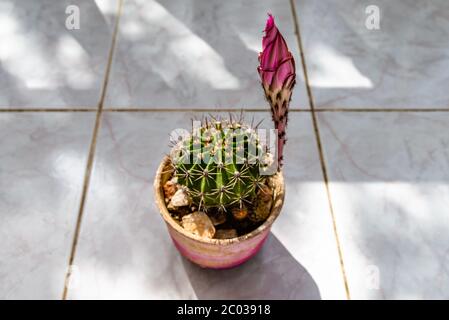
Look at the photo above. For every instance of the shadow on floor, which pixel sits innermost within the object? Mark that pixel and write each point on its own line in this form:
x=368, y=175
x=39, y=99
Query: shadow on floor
x=272, y=274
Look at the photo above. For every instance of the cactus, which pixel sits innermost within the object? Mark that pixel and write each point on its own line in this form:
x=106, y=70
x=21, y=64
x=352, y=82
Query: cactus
x=220, y=164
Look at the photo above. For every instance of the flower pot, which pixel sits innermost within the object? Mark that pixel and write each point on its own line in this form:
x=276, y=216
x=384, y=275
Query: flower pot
x=216, y=253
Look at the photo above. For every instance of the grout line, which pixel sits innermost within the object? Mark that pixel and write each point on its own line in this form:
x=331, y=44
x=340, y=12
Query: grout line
x=382, y=110
x=301, y=54
x=320, y=147
x=194, y=110
x=85, y=188
x=111, y=55
x=49, y=110
x=184, y=110
x=92, y=149
x=142, y=109
x=361, y=110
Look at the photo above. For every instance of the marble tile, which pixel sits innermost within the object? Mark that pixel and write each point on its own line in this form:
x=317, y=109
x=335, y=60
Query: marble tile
x=42, y=164
x=44, y=64
x=124, y=250
x=404, y=64
x=389, y=182
x=196, y=54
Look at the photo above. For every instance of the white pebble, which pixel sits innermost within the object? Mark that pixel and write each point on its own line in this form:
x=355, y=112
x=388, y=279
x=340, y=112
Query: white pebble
x=199, y=223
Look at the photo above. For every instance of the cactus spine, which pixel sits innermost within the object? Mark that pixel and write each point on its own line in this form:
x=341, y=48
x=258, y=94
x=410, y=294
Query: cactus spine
x=220, y=164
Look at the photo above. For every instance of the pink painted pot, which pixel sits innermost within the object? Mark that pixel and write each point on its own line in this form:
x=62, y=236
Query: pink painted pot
x=216, y=253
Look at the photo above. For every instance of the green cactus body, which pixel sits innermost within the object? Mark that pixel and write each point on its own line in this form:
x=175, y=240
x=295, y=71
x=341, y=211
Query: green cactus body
x=219, y=163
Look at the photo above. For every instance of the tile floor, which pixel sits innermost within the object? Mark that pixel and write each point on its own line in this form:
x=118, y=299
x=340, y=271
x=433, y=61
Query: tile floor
x=84, y=115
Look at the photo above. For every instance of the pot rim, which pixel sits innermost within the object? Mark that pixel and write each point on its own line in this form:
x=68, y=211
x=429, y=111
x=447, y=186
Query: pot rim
x=160, y=202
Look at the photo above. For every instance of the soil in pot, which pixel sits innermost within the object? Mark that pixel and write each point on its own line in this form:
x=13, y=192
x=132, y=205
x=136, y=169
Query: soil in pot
x=234, y=222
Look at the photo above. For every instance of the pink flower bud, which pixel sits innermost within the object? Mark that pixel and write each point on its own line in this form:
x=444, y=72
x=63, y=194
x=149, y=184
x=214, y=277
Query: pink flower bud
x=277, y=66
x=277, y=73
